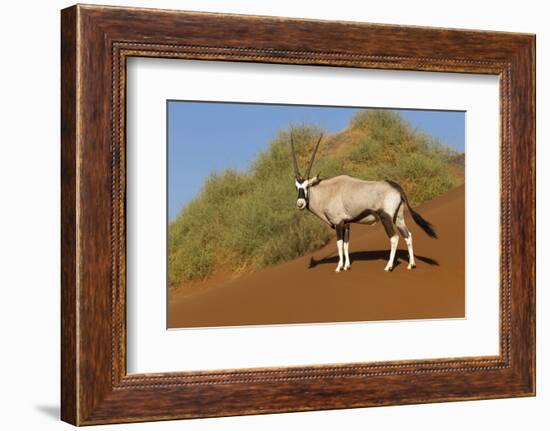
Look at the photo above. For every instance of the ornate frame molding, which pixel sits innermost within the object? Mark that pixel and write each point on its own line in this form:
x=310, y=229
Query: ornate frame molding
x=96, y=41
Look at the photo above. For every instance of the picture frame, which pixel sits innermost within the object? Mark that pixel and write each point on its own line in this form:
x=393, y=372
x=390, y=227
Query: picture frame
x=96, y=41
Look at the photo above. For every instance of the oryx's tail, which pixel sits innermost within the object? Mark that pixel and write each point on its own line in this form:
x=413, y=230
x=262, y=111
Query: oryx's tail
x=419, y=220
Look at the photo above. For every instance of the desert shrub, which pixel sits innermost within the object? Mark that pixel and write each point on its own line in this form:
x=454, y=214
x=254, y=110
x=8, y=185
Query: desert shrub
x=247, y=220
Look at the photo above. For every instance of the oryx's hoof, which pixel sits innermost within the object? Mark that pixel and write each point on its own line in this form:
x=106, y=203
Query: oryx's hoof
x=388, y=268
x=347, y=268
x=411, y=266
x=338, y=269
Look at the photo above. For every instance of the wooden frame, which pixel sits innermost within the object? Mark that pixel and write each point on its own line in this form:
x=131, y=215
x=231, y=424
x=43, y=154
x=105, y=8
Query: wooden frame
x=95, y=42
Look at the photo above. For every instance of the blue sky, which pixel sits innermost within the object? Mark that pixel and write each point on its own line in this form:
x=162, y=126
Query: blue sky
x=212, y=136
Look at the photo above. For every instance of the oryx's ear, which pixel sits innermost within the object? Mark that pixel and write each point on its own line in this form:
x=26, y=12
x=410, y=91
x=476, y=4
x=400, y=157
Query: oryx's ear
x=315, y=180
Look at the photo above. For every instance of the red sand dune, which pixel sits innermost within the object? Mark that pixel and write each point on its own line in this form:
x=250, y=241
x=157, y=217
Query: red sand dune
x=307, y=290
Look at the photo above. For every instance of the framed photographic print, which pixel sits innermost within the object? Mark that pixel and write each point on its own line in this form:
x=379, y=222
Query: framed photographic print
x=239, y=252
x=260, y=216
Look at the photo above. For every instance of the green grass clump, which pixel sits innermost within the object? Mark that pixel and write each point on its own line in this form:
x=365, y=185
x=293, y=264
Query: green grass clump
x=389, y=148
x=241, y=221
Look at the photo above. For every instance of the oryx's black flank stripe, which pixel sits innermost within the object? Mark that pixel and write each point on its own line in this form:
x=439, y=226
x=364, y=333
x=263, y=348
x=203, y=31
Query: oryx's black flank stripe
x=361, y=216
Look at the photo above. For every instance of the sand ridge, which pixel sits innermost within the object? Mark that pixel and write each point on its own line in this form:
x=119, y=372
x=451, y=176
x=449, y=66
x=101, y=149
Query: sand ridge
x=307, y=290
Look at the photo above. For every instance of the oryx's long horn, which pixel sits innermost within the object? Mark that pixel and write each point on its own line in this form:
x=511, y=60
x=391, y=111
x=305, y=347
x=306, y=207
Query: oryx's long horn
x=313, y=157
x=296, y=170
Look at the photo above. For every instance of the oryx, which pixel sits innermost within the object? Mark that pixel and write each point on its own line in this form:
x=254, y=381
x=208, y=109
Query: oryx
x=342, y=200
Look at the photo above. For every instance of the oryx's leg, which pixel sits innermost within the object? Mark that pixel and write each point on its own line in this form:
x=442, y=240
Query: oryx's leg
x=392, y=235
x=340, y=245
x=407, y=236
x=347, y=264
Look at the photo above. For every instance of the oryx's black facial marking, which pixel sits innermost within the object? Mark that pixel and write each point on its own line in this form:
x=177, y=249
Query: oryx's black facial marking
x=302, y=187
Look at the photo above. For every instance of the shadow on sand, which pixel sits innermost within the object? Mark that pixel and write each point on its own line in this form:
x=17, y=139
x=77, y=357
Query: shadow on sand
x=400, y=255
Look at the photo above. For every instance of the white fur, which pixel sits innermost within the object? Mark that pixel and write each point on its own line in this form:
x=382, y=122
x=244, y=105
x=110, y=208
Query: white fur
x=346, y=250
x=409, y=242
x=340, y=245
x=394, y=240
x=301, y=203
